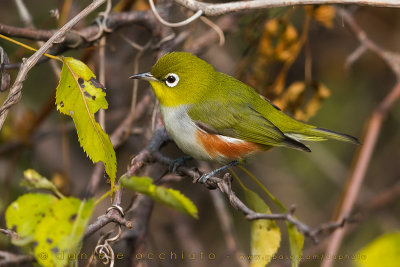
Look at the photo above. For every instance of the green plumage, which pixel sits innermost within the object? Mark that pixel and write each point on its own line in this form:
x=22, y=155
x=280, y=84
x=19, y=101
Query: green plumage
x=220, y=104
x=236, y=110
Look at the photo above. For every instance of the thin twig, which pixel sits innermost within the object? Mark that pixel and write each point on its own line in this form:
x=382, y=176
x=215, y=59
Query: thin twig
x=9, y=233
x=175, y=24
x=85, y=36
x=217, y=29
x=225, y=24
x=15, y=92
x=10, y=259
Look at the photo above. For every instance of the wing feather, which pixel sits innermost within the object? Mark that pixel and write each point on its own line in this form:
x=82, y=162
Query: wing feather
x=240, y=120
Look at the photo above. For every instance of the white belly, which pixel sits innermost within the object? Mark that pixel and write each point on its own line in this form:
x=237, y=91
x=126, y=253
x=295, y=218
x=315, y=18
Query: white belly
x=182, y=130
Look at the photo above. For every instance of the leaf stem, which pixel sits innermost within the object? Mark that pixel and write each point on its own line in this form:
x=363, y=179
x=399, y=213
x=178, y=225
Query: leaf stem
x=108, y=193
x=28, y=47
x=277, y=202
x=238, y=180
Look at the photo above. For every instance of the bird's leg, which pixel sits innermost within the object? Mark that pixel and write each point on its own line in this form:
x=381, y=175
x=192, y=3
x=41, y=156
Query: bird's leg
x=203, y=179
x=176, y=163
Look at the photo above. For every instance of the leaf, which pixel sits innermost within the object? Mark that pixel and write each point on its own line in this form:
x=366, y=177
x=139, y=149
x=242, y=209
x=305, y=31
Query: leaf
x=296, y=239
x=296, y=242
x=265, y=234
x=54, y=226
x=292, y=97
x=58, y=235
x=325, y=15
x=383, y=251
x=321, y=92
x=167, y=196
x=34, y=180
x=25, y=213
x=80, y=95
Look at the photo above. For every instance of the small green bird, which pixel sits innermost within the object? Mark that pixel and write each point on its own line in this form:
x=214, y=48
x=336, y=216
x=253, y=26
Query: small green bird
x=214, y=117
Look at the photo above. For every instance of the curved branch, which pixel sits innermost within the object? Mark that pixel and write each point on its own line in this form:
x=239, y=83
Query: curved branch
x=210, y=9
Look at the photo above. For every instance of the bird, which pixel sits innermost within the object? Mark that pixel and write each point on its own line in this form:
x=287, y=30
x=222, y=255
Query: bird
x=214, y=117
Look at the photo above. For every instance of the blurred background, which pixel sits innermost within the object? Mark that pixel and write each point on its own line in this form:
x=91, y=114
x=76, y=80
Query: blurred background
x=297, y=57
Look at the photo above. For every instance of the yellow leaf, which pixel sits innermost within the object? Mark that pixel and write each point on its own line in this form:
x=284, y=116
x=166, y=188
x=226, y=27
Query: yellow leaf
x=80, y=95
x=291, y=96
x=313, y=105
x=296, y=242
x=167, y=196
x=271, y=27
x=265, y=234
x=324, y=14
x=383, y=251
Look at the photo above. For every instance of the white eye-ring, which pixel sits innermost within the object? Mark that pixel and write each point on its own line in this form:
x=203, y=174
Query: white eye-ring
x=171, y=79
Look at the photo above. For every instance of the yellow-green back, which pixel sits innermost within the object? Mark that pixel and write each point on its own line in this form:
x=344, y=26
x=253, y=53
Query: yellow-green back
x=228, y=106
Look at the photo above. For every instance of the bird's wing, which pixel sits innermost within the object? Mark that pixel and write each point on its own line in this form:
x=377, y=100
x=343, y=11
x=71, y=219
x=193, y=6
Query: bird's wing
x=240, y=120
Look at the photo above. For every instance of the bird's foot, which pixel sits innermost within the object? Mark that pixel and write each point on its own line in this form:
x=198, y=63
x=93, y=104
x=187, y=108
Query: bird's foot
x=176, y=163
x=203, y=179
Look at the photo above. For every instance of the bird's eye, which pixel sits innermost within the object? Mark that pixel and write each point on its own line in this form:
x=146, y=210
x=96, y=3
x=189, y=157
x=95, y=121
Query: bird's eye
x=171, y=79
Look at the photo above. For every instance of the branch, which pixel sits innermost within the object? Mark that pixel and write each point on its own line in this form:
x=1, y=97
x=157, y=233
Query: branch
x=10, y=259
x=152, y=154
x=105, y=219
x=15, y=92
x=210, y=9
x=9, y=233
x=79, y=39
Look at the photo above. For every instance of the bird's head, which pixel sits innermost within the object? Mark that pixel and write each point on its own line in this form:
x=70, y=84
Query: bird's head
x=179, y=78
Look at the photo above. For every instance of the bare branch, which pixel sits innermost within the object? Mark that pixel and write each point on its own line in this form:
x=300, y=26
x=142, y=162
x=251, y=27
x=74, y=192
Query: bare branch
x=112, y=216
x=15, y=92
x=85, y=36
x=210, y=9
x=10, y=259
x=175, y=24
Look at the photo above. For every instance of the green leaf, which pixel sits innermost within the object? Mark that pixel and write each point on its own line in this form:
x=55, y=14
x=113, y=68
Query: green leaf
x=58, y=235
x=25, y=213
x=80, y=95
x=296, y=242
x=383, y=251
x=167, y=196
x=34, y=180
x=265, y=234
x=296, y=239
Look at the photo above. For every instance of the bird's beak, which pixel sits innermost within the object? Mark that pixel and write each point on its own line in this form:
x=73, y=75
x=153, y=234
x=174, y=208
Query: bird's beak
x=144, y=76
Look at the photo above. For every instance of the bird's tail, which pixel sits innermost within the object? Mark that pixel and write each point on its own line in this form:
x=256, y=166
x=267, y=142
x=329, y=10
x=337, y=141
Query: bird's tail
x=320, y=134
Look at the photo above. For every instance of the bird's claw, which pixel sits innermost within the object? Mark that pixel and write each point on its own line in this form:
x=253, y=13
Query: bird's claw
x=176, y=163
x=204, y=178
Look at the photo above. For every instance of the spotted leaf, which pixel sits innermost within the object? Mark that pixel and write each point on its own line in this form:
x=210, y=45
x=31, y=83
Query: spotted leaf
x=58, y=235
x=25, y=213
x=80, y=95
